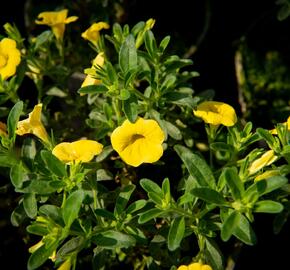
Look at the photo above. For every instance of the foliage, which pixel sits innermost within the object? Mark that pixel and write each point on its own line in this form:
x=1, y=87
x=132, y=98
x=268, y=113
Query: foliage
x=84, y=202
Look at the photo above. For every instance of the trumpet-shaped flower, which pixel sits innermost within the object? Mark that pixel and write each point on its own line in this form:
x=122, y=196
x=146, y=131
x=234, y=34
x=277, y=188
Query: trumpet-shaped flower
x=56, y=20
x=9, y=58
x=195, y=266
x=265, y=160
x=139, y=142
x=98, y=61
x=92, y=34
x=287, y=123
x=78, y=151
x=216, y=113
x=267, y=174
x=33, y=125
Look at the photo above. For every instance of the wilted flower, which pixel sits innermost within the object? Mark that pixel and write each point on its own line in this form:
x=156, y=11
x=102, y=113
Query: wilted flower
x=287, y=123
x=56, y=20
x=216, y=113
x=9, y=58
x=78, y=151
x=195, y=266
x=267, y=174
x=139, y=142
x=98, y=61
x=33, y=125
x=3, y=129
x=92, y=34
x=265, y=160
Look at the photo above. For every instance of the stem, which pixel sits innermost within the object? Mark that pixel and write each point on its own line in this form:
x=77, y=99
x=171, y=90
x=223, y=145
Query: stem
x=63, y=199
x=116, y=106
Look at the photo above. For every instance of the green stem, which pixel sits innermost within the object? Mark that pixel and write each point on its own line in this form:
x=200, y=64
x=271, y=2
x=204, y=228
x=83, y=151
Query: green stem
x=116, y=106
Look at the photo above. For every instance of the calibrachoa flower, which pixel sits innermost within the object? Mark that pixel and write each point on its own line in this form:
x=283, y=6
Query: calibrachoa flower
x=267, y=174
x=56, y=20
x=78, y=151
x=265, y=160
x=98, y=61
x=216, y=113
x=195, y=266
x=139, y=142
x=9, y=58
x=274, y=131
x=92, y=34
x=33, y=125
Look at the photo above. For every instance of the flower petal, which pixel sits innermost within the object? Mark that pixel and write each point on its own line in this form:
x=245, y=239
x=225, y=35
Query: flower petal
x=86, y=149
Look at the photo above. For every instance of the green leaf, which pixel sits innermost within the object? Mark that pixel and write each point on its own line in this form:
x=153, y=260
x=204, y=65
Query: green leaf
x=30, y=205
x=213, y=254
x=123, y=199
x=37, y=229
x=150, y=43
x=7, y=161
x=128, y=54
x=39, y=257
x=38, y=186
x=53, y=163
x=72, y=245
x=130, y=108
x=244, y=232
x=164, y=43
x=209, y=195
x=176, y=233
x=172, y=130
x=18, y=215
x=267, y=206
x=53, y=212
x=114, y=239
x=156, y=198
x=229, y=225
x=196, y=166
x=107, y=150
x=234, y=182
x=166, y=190
x=149, y=214
x=105, y=213
x=17, y=175
x=267, y=136
x=220, y=146
x=93, y=89
x=13, y=119
x=55, y=91
x=135, y=206
x=150, y=186
x=72, y=206
x=124, y=94
x=264, y=186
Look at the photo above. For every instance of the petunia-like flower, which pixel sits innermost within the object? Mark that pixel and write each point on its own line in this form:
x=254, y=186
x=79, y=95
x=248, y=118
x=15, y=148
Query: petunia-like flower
x=56, y=20
x=265, y=160
x=33, y=125
x=139, y=142
x=216, y=113
x=287, y=123
x=98, y=61
x=195, y=266
x=78, y=151
x=92, y=34
x=9, y=58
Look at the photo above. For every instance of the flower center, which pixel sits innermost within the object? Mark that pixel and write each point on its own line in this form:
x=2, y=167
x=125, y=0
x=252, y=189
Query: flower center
x=3, y=60
x=136, y=137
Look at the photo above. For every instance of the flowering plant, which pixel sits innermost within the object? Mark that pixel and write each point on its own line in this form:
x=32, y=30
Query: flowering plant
x=128, y=181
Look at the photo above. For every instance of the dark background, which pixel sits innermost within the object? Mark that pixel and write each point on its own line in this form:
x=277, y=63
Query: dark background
x=184, y=21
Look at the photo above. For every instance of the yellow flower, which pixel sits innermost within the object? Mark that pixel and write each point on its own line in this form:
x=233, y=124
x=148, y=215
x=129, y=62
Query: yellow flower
x=92, y=34
x=265, y=160
x=78, y=151
x=195, y=266
x=287, y=123
x=139, y=142
x=36, y=246
x=98, y=61
x=33, y=125
x=3, y=129
x=66, y=265
x=140, y=37
x=216, y=113
x=56, y=20
x=9, y=58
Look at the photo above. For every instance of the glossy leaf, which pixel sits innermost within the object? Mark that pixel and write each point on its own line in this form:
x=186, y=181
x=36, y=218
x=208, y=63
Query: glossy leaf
x=176, y=233
x=209, y=195
x=229, y=225
x=268, y=206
